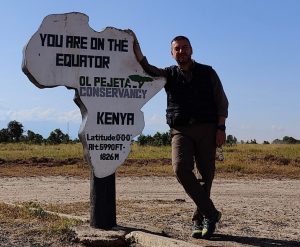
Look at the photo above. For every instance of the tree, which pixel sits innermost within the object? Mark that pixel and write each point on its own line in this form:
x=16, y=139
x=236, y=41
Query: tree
x=277, y=141
x=57, y=137
x=231, y=140
x=166, y=138
x=159, y=139
x=142, y=140
x=4, y=136
x=15, y=130
x=34, y=138
x=289, y=140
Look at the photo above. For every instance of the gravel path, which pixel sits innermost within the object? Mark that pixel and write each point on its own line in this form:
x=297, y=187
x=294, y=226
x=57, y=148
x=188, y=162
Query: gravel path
x=262, y=212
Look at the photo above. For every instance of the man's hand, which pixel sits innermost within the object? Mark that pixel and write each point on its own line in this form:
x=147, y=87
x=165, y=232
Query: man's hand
x=221, y=134
x=220, y=137
x=136, y=46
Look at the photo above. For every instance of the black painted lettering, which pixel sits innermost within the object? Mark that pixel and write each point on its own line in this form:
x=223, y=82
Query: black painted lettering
x=83, y=61
x=84, y=81
x=100, y=117
x=59, y=59
x=97, y=44
x=118, y=45
x=99, y=80
x=130, y=118
x=106, y=61
x=115, y=118
x=82, y=91
x=51, y=40
x=72, y=60
x=43, y=38
x=77, y=42
x=67, y=60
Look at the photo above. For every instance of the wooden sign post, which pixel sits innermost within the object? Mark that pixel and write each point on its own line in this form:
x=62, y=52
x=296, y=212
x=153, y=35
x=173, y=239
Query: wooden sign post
x=110, y=90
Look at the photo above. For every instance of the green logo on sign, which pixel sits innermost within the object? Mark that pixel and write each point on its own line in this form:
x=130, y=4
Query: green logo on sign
x=139, y=78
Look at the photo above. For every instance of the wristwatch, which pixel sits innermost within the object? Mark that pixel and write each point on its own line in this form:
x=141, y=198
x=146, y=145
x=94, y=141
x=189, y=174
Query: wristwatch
x=221, y=127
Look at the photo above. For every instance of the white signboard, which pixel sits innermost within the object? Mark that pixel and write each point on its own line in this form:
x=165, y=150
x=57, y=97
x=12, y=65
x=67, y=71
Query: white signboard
x=110, y=85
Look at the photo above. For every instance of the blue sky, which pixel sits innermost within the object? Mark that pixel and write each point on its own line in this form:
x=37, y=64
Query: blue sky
x=253, y=45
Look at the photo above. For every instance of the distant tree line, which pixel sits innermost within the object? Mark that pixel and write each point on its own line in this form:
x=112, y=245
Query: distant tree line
x=286, y=140
x=158, y=139
x=252, y=142
x=164, y=139
x=15, y=133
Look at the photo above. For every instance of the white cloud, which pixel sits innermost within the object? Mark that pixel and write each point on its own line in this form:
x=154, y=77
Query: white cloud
x=246, y=127
x=155, y=120
x=3, y=107
x=277, y=128
x=70, y=116
x=41, y=114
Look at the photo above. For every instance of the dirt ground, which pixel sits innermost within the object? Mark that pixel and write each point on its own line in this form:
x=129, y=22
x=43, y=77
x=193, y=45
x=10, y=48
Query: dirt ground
x=261, y=212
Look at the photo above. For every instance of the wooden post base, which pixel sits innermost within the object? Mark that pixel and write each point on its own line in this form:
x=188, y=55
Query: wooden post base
x=103, y=202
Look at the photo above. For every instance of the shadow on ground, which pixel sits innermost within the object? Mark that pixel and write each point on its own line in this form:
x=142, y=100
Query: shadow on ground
x=253, y=241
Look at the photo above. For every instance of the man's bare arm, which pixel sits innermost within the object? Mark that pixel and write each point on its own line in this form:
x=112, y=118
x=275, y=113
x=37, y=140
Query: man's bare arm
x=150, y=69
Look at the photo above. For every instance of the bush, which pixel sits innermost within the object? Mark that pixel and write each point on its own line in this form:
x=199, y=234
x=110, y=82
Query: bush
x=158, y=139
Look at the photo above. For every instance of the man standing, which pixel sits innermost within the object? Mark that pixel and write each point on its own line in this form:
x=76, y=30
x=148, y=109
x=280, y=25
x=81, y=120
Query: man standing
x=197, y=108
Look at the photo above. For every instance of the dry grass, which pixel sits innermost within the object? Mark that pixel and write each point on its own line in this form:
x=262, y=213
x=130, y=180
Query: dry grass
x=27, y=226
x=31, y=225
x=78, y=208
x=33, y=214
x=66, y=160
x=261, y=160
x=12, y=151
x=29, y=170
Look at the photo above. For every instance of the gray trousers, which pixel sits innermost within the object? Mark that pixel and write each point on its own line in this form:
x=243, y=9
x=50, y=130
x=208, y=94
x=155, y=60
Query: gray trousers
x=194, y=146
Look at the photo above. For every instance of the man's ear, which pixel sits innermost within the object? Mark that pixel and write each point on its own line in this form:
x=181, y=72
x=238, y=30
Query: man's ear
x=172, y=52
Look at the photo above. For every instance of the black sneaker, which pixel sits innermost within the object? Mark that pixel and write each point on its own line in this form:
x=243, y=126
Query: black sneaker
x=209, y=225
x=197, y=229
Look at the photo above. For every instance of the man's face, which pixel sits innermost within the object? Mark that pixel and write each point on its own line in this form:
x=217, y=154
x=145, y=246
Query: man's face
x=181, y=51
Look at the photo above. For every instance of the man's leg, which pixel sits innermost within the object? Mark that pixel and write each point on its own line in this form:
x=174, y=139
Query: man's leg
x=205, y=152
x=183, y=164
x=205, y=155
